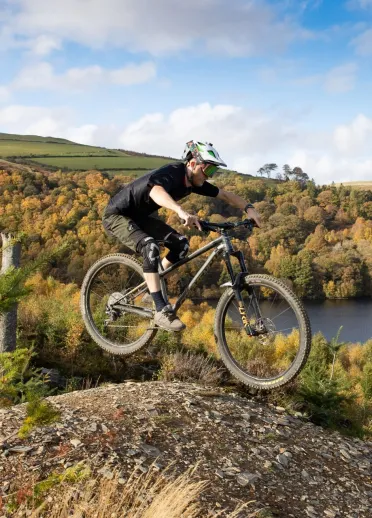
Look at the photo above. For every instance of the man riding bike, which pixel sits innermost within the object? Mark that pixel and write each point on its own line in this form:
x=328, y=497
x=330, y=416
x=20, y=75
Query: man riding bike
x=131, y=216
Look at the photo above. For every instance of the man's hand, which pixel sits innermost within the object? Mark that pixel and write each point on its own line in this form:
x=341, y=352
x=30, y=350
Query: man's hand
x=189, y=220
x=252, y=214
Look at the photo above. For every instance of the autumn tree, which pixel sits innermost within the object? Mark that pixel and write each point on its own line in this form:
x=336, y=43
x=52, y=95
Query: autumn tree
x=267, y=169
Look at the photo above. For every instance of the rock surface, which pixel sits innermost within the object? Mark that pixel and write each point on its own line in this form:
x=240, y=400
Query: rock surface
x=246, y=450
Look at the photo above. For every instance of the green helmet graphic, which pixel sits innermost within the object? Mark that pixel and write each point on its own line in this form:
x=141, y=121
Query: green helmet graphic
x=203, y=152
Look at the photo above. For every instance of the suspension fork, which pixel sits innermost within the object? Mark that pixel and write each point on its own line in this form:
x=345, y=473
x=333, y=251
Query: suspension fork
x=237, y=285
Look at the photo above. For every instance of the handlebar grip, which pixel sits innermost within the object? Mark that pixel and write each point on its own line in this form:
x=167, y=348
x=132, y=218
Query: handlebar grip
x=252, y=222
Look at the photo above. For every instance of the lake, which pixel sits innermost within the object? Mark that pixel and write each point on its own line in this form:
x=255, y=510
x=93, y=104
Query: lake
x=354, y=315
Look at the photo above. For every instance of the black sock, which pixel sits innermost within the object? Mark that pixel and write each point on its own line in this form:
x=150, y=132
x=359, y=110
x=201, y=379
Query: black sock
x=159, y=300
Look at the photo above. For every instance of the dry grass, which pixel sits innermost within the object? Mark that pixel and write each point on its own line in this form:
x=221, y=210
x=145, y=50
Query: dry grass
x=367, y=185
x=189, y=367
x=150, y=495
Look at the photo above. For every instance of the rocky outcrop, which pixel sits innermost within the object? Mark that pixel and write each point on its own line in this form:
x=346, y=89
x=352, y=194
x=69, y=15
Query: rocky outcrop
x=247, y=451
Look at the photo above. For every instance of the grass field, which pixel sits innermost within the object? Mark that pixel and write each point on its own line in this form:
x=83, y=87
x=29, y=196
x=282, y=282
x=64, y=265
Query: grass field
x=12, y=148
x=33, y=138
x=66, y=155
x=367, y=185
x=103, y=163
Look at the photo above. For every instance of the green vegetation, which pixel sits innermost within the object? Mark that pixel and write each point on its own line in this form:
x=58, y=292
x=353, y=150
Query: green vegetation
x=79, y=492
x=10, y=148
x=66, y=155
x=34, y=496
x=33, y=138
x=18, y=379
x=39, y=413
x=319, y=239
x=101, y=163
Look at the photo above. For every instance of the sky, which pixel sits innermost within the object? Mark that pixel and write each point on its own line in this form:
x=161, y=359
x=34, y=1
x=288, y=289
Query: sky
x=285, y=82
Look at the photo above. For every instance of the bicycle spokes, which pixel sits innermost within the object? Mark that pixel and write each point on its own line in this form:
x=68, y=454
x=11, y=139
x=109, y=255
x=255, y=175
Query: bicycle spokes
x=262, y=332
x=117, y=303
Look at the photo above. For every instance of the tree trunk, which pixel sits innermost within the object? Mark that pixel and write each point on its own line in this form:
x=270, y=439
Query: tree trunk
x=8, y=321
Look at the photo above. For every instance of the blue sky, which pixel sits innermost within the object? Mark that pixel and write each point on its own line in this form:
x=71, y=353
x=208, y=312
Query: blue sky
x=265, y=81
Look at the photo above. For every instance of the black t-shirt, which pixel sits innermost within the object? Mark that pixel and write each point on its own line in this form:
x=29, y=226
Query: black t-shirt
x=134, y=200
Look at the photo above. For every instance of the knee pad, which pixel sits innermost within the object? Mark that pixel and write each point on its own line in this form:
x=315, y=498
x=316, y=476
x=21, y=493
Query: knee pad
x=178, y=246
x=150, y=251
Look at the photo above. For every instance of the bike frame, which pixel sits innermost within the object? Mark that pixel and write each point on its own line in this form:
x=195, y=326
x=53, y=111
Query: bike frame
x=221, y=245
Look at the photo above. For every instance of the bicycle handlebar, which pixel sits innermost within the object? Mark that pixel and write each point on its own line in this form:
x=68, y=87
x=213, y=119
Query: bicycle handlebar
x=207, y=226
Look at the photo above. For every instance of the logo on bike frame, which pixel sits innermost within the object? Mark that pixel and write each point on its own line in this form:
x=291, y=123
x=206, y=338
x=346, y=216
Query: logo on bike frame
x=243, y=314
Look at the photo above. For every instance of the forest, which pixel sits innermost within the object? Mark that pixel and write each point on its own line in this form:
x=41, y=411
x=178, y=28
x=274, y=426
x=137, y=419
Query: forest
x=317, y=238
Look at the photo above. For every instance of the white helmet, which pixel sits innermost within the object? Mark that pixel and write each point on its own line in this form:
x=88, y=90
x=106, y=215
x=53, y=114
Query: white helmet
x=203, y=152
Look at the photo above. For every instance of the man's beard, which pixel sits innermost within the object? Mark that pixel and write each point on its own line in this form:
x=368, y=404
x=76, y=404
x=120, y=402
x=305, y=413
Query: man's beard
x=190, y=176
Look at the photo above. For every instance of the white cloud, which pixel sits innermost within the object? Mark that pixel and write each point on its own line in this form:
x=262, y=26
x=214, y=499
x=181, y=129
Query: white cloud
x=82, y=134
x=19, y=117
x=133, y=74
x=324, y=167
x=37, y=120
x=4, y=93
x=245, y=139
x=44, y=45
x=363, y=43
x=355, y=138
x=231, y=125
x=41, y=45
x=41, y=76
x=360, y=4
x=55, y=122
x=341, y=79
x=327, y=168
x=220, y=26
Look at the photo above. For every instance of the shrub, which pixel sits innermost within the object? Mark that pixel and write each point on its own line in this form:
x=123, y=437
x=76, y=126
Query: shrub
x=19, y=381
x=186, y=366
x=39, y=413
x=326, y=401
x=152, y=495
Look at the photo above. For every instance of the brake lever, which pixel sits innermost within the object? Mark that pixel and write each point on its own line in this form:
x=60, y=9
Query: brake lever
x=250, y=223
x=204, y=226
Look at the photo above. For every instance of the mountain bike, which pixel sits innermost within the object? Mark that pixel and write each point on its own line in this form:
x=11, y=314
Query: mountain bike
x=261, y=327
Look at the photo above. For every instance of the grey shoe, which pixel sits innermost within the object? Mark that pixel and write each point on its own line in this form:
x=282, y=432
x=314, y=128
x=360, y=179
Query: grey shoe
x=167, y=319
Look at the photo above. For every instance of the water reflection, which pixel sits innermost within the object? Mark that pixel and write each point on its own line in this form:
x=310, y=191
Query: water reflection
x=354, y=315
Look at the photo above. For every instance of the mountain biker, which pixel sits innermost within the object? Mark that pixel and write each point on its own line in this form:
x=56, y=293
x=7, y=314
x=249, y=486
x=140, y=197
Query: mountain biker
x=131, y=216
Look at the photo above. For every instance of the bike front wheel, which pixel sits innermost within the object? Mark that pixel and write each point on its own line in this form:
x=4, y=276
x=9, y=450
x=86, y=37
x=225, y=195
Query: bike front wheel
x=114, y=307
x=278, y=343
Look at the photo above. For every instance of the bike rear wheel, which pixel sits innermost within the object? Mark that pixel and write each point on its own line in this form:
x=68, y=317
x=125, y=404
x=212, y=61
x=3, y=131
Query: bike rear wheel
x=110, y=295
x=282, y=343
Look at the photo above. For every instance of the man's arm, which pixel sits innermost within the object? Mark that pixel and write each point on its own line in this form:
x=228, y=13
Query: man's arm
x=163, y=199
x=236, y=201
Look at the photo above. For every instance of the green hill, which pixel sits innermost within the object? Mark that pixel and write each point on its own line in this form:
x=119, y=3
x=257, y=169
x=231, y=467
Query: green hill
x=56, y=153
x=33, y=138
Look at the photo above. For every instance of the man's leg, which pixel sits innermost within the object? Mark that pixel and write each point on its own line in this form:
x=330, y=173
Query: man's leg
x=133, y=236
x=136, y=238
x=177, y=244
x=150, y=252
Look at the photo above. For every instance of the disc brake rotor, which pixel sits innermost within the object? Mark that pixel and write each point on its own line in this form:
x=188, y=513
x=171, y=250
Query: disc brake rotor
x=264, y=326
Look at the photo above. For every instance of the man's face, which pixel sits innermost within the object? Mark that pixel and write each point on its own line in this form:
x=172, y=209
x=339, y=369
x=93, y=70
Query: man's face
x=201, y=172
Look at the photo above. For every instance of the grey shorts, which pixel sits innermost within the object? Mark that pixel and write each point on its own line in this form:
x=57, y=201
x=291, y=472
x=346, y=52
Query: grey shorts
x=130, y=232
